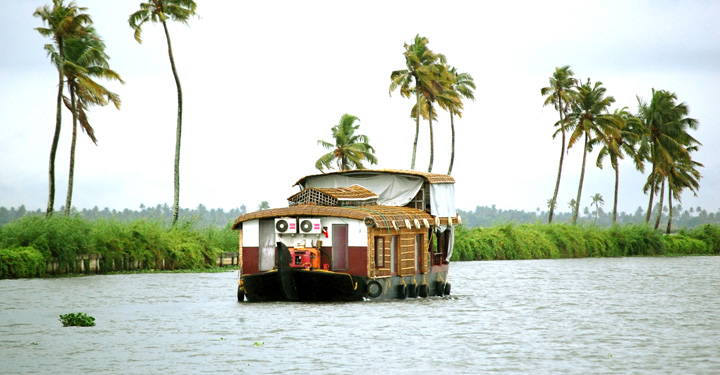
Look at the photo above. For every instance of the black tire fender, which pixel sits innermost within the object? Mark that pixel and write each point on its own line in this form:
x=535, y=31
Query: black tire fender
x=241, y=294
x=370, y=286
x=447, y=289
x=402, y=291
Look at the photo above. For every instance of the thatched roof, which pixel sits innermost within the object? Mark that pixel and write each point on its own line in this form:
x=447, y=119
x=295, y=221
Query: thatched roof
x=432, y=178
x=382, y=215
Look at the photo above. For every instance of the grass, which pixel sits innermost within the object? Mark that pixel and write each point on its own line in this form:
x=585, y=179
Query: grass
x=26, y=245
x=548, y=241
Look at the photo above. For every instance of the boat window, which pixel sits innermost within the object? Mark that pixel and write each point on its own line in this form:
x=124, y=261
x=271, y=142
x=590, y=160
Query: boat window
x=339, y=246
x=418, y=252
x=393, y=254
x=379, y=252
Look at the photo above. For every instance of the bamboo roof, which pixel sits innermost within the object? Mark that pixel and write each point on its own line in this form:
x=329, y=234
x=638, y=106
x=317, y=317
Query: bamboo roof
x=355, y=192
x=384, y=216
x=433, y=178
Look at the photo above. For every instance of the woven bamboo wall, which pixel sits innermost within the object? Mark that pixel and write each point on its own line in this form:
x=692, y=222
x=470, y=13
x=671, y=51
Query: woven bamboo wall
x=406, y=252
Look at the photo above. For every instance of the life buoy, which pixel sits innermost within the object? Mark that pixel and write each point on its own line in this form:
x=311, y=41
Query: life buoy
x=373, y=284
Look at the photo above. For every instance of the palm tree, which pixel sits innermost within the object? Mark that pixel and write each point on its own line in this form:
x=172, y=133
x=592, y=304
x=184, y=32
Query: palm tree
x=349, y=149
x=683, y=174
x=438, y=90
x=62, y=22
x=159, y=11
x=666, y=136
x=590, y=119
x=419, y=61
x=559, y=94
x=462, y=85
x=598, y=201
x=573, y=207
x=264, y=205
x=618, y=144
x=85, y=58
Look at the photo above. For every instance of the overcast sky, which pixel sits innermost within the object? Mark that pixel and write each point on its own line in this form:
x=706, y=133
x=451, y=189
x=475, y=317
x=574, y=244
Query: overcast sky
x=264, y=80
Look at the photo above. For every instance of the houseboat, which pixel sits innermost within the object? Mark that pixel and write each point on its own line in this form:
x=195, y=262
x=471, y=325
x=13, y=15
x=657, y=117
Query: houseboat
x=351, y=236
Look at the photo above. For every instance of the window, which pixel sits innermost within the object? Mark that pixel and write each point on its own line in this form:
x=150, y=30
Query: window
x=418, y=252
x=379, y=252
x=393, y=255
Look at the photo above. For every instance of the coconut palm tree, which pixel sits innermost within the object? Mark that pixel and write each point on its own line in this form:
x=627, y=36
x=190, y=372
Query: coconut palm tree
x=683, y=174
x=438, y=90
x=590, y=119
x=462, y=85
x=666, y=126
x=598, y=201
x=559, y=94
x=85, y=59
x=419, y=62
x=159, y=11
x=618, y=144
x=62, y=21
x=349, y=150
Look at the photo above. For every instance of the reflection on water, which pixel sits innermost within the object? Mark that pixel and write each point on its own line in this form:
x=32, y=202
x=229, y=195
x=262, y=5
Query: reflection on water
x=573, y=316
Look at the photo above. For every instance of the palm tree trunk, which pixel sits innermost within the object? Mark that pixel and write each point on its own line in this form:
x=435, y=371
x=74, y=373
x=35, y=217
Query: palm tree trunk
x=557, y=182
x=178, y=133
x=432, y=141
x=56, y=136
x=652, y=192
x=670, y=214
x=582, y=177
x=660, y=206
x=617, y=184
x=452, y=144
x=71, y=174
x=417, y=124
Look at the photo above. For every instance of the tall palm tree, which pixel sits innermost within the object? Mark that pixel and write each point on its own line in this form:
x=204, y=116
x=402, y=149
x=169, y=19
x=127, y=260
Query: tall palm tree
x=438, y=90
x=462, y=85
x=159, y=11
x=419, y=60
x=85, y=59
x=590, y=119
x=349, y=149
x=559, y=94
x=618, y=144
x=62, y=21
x=598, y=201
x=683, y=174
x=666, y=135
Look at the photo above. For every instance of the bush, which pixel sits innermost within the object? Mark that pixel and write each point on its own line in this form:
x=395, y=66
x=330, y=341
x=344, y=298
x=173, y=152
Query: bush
x=21, y=262
x=710, y=234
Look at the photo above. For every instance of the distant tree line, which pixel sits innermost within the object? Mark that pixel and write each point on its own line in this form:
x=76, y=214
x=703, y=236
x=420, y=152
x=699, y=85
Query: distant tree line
x=689, y=218
x=198, y=217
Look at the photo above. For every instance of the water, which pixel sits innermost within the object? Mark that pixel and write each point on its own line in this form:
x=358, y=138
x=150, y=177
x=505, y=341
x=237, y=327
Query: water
x=573, y=316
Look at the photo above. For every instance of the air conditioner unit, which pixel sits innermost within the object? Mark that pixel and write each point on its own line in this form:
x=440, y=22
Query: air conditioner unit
x=285, y=225
x=309, y=226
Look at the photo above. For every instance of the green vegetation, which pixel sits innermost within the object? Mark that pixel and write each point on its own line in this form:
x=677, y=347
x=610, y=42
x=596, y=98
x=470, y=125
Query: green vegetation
x=26, y=245
x=349, y=149
x=77, y=320
x=549, y=241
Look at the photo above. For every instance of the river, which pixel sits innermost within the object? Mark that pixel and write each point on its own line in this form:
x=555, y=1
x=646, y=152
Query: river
x=567, y=316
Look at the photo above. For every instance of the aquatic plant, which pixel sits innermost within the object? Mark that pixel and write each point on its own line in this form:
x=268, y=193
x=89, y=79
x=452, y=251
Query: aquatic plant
x=77, y=320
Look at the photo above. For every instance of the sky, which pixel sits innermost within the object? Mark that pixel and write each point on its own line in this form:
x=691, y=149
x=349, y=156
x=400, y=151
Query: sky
x=263, y=81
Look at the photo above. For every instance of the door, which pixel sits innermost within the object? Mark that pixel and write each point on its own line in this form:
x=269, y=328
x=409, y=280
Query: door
x=267, y=245
x=339, y=246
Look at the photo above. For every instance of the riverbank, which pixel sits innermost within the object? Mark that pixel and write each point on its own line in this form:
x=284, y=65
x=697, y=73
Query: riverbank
x=30, y=245
x=39, y=247
x=550, y=241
